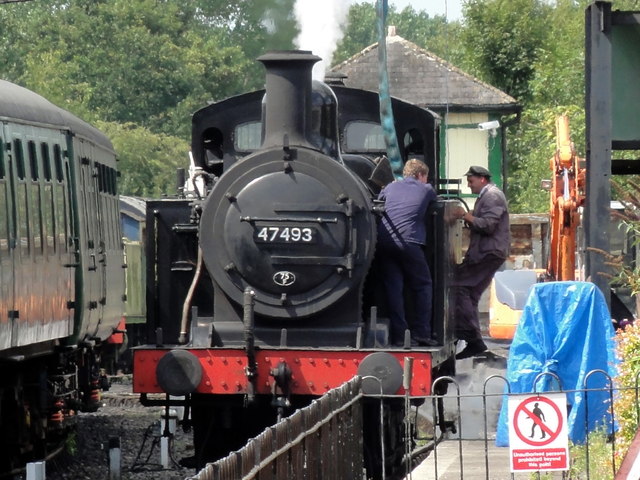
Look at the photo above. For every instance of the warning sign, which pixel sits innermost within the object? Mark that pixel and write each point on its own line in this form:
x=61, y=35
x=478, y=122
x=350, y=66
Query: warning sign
x=538, y=432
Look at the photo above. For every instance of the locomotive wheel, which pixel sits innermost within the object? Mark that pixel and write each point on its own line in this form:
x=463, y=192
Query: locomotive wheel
x=221, y=426
x=394, y=438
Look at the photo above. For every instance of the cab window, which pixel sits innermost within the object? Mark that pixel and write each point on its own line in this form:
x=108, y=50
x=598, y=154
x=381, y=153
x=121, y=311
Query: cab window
x=362, y=136
x=248, y=136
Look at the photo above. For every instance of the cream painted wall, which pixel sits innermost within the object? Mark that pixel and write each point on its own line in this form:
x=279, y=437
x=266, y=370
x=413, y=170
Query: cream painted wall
x=466, y=145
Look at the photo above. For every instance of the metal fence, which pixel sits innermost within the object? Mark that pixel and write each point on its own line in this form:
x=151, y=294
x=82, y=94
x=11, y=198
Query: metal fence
x=468, y=450
x=321, y=441
x=325, y=440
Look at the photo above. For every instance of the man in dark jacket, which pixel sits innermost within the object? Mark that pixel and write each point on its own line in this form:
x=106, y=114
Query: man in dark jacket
x=401, y=238
x=488, y=249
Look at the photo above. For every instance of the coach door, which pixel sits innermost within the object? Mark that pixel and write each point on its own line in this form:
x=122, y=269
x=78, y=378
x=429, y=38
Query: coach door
x=7, y=244
x=93, y=244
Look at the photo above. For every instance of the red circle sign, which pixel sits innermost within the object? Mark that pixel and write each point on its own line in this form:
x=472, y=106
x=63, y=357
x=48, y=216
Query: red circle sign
x=523, y=409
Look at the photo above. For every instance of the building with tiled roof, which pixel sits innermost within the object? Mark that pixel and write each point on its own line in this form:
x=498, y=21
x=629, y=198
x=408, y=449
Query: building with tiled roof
x=464, y=102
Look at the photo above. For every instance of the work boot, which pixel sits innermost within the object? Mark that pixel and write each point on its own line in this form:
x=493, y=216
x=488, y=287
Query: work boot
x=473, y=348
x=424, y=341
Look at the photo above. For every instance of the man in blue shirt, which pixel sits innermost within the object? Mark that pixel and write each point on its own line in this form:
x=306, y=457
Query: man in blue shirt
x=402, y=235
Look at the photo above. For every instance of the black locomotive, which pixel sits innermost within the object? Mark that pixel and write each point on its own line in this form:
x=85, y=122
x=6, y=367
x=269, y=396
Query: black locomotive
x=262, y=283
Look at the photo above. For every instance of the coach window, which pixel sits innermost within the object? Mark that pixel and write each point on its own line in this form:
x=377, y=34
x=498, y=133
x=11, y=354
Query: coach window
x=47, y=199
x=46, y=161
x=69, y=210
x=33, y=161
x=105, y=210
x=4, y=214
x=362, y=136
x=57, y=160
x=114, y=207
x=22, y=210
x=19, y=157
x=59, y=199
x=36, y=202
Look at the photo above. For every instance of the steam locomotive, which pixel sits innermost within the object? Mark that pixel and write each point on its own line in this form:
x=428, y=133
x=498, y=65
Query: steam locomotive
x=61, y=262
x=262, y=286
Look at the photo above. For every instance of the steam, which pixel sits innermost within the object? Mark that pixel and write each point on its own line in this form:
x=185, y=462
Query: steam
x=321, y=24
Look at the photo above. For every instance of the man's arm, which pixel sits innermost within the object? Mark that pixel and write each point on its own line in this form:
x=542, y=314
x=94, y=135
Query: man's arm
x=488, y=215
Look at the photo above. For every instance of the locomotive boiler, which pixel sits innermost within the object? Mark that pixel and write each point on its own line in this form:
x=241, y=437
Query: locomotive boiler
x=262, y=286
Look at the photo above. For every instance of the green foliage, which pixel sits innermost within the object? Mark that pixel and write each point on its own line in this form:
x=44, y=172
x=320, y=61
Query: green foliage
x=147, y=161
x=431, y=33
x=600, y=458
x=143, y=61
x=627, y=275
x=532, y=146
x=504, y=39
x=360, y=33
x=626, y=271
x=71, y=445
x=549, y=83
x=142, y=68
x=626, y=405
x=149, y=64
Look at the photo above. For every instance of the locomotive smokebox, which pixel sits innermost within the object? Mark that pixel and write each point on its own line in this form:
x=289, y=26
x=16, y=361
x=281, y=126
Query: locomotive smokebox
x=287, y=116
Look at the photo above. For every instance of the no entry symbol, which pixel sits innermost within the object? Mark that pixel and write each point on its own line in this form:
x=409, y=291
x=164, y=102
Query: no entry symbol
x=537, y=421
x=538, y=437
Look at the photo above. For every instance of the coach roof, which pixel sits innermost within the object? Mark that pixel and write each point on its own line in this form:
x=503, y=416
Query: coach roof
x=24, y=106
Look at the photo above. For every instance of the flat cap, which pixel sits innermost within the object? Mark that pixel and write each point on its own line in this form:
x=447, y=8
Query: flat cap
x=478, y=172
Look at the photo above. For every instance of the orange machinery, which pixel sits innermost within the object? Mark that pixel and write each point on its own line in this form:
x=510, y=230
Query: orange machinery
x=509, y=288
x=567, y=196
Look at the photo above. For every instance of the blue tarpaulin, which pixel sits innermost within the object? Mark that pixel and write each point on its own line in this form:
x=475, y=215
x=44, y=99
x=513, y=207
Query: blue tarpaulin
x=565, y=329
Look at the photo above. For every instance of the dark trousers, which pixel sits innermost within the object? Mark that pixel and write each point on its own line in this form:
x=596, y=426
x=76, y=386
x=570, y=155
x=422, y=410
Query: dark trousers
x=404, y=266
x=471, y=279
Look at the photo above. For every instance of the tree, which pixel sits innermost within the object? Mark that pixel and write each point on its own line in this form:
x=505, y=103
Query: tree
x=534, y=52
x=431, y=33
x=503, y=40
x=147, y=161
x=147, y=65
x=149, y=62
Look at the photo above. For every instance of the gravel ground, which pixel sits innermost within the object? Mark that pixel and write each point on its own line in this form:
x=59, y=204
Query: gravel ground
x=121, y=416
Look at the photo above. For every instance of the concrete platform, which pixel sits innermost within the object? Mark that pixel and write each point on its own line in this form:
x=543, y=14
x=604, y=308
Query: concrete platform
x=473, y=465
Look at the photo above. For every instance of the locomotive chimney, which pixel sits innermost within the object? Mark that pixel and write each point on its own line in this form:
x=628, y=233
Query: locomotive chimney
x=288, y=97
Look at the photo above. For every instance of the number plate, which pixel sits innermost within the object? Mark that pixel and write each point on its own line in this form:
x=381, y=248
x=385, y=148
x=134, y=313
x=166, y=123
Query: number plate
x=282, y=234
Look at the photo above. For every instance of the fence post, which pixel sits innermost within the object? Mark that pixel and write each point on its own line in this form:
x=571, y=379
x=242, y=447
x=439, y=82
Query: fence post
x=114, y=458
x=36, y=471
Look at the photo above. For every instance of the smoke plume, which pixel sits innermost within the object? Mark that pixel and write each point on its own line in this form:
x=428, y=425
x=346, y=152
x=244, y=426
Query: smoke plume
x=321, y=24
